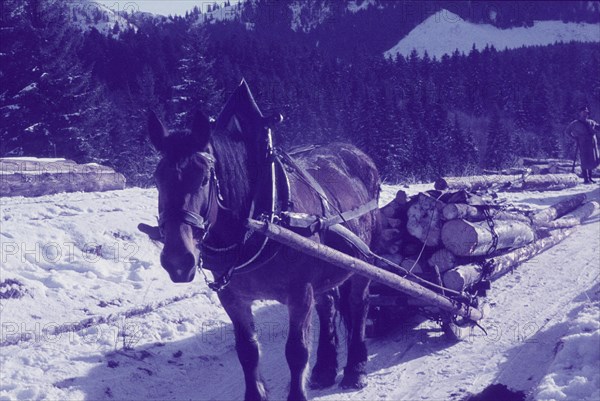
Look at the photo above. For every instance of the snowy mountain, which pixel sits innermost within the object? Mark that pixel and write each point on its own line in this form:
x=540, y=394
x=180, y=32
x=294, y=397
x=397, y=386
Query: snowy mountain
x=452, y=33
x=90, y=14
x=89, y=313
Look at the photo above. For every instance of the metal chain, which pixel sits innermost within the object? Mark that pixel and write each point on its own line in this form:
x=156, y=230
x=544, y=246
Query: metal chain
x=492, y=225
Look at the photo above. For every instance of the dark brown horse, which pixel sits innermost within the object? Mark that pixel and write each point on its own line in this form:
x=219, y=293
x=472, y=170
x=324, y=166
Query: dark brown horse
x=211, y=179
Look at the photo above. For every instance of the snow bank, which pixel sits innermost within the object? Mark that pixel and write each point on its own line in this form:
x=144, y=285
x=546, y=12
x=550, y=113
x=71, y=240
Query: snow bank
x=89, y=313
x=575, y=373
x=452, y=33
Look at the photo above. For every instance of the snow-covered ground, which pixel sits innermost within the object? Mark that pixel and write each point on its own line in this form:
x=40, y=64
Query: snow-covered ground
x=452, y=33
x=88, y=313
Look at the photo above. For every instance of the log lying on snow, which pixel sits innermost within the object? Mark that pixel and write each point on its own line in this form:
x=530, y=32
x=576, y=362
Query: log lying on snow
x=539, y=182
x=462, y=277
x=471, y=213
x=424, y=219
x=528, y=161
x=30, y=177
x=557, y=210
x=465, y=238
x=575, y=217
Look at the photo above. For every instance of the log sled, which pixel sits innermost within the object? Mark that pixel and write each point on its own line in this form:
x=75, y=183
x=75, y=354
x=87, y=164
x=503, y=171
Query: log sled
x=439, y=250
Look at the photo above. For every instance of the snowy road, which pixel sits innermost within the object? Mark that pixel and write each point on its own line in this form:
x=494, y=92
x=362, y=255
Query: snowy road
x=99, y=319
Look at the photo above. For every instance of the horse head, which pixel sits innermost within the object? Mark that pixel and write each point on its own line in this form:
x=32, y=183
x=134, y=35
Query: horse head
x=196, y=166
x=184, y=178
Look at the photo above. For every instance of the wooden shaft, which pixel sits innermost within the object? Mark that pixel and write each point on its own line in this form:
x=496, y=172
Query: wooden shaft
x=339, y=259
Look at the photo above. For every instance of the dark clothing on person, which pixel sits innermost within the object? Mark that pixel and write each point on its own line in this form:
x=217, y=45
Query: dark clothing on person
x=585, y=132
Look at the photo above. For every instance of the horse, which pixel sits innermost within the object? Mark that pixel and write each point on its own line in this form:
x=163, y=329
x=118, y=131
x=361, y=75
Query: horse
x=211, y=178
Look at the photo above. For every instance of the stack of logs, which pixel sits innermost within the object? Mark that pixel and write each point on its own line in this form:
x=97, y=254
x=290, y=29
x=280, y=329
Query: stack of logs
x=459, y=239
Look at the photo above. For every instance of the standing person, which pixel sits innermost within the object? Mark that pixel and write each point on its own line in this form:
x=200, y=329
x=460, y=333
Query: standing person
x=585, y=132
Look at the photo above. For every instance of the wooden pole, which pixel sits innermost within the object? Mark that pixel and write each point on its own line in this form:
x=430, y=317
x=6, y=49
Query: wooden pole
x=339, y=259
x=462, y=277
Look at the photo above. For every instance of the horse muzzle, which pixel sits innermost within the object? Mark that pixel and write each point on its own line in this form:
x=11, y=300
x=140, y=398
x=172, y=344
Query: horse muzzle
x=181, y=266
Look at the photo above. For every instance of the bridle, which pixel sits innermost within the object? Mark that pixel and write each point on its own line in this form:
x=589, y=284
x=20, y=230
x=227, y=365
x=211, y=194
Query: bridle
x=200, y=223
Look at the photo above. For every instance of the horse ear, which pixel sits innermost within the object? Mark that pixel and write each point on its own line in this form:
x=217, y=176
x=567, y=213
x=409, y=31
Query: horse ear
x=201, y=128
x=156, y=131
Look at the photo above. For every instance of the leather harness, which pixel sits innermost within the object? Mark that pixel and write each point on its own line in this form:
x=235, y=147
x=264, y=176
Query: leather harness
x=255, y=251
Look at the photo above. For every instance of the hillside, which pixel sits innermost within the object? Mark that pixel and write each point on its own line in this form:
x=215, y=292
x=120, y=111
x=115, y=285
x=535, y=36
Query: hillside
x=455, y=34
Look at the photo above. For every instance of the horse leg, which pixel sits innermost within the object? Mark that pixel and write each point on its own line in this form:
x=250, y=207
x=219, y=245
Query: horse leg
x=357, y=307
x=246, y=343
x=296, y=349
x=325, y=370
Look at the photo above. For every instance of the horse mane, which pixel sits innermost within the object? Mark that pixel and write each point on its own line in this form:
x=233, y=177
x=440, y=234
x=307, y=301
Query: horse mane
x=234, y=142
x=233, y=162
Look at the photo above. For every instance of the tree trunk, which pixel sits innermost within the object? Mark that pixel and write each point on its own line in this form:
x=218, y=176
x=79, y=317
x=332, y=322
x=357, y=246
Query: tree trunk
x=79, y=178
x=464, y=238
x=527, y=161
x=575, y=217
x=540, y=182
x=557, y=210
x=443, y=260
x=462, y=277
x=424, y=219
x=471, y=213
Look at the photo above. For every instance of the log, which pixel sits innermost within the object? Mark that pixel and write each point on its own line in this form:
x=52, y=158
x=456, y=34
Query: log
x=539, y=182
x=549, y=182
x=475, y=182
x=465, y=238
x=76, y=178
x=557, y=210
x=390, y=210
x=401, y=197
x=390, y=234
x=424, y=219
x=576, y=217
x=528, y=161
x=354, y=265
x=463, y=277
x=471, y=213
x=443, y=260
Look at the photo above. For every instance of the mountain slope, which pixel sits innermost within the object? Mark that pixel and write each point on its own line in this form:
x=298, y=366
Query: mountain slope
x=452, y=33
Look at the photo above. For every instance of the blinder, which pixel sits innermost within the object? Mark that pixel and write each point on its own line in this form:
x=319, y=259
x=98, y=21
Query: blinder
x=198, y=222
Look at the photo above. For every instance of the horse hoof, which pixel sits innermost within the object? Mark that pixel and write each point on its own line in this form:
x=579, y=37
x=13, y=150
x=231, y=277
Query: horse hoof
x=354, y=381
x=322, y=378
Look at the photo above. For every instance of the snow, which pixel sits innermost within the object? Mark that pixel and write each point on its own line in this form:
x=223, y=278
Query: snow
x=355, y=6
x=32, y=159
x=575, y=372
x=90, y=314
x=306, y=16
x=453, y=33
x=32, y=86
x=87, y=10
